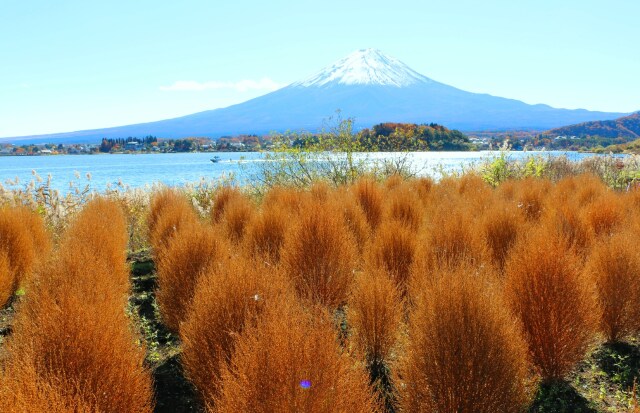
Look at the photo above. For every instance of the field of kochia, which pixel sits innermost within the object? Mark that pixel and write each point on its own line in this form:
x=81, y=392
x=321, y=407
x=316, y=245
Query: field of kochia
x=406, y=295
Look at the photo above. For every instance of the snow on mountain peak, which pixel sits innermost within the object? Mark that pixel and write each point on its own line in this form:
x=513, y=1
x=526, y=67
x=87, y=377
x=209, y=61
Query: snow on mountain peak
x=365, y=67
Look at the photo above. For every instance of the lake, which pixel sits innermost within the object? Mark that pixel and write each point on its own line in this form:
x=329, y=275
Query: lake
x=140, y=170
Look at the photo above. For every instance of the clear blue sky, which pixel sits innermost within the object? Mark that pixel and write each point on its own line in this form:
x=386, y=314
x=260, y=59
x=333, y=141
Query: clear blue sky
x=71, y=65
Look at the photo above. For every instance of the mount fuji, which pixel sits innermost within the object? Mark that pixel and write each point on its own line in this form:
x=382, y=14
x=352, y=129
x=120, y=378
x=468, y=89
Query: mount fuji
x=369, y=87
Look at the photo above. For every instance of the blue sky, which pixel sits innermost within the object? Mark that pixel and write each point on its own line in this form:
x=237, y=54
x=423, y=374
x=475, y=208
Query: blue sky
x=71, y=65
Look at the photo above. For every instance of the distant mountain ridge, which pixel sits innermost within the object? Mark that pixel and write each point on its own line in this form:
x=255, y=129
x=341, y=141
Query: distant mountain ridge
x=627, y=127
x=368, y=86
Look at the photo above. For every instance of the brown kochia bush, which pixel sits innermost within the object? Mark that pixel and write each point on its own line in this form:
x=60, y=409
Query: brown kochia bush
x=557, y=308
x=195, y=247
x=7, y=280
x=265, y=235
x=500, y=226
x=98, y=235
x=370, y=198
x=83, y=347
x=405, y=207
x=614, y=267
x=221, y=201
x=450, y=240
x=374, y=314
x=566, y=219
x=355, y=220
x=25, y=392
x=291, y=363
x=393, y=250
x=532, y=196
x=16, y=242
x=605, y=214
x=227, y=299
x=319, y=256
x=238, y=213
x=169, y=211
x=465, y=351
x=72, y=335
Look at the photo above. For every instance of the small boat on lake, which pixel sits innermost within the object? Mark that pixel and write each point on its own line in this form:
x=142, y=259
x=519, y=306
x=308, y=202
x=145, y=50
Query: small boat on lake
x=216, y=159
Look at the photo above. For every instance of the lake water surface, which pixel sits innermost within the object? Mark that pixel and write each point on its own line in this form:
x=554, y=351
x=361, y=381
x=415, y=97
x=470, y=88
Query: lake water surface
x=139, y=170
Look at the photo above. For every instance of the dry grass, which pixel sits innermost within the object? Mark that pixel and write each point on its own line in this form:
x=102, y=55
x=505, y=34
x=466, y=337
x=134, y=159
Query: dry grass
x=465, y=351
x=195, y=247
x=554, y=302
x=301, y=368
x=614, y=267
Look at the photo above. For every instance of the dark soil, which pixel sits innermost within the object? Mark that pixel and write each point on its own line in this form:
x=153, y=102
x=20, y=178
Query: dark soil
x=174, y=394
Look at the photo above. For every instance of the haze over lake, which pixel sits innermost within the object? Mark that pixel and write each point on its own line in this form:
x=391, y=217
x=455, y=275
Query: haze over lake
x=137, y=171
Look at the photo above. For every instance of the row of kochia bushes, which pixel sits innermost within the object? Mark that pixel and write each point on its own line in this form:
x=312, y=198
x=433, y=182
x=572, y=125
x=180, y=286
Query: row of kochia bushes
x=406, y=295
x=403, y=295
x=73, y=347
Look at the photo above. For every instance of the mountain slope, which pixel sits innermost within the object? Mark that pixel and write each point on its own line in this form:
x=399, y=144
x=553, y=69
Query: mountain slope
x=627, y=127
x=366, y=85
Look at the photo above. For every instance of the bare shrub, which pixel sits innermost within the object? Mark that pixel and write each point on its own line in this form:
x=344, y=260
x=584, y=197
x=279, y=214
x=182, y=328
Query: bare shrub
x=72, y=333
x=450, y=240
x=355, y=220
x=16, y=242
x=531, y=196
x=405, y=207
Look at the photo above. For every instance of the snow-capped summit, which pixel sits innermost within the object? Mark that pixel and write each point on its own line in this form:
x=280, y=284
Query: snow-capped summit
x=365, y=67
